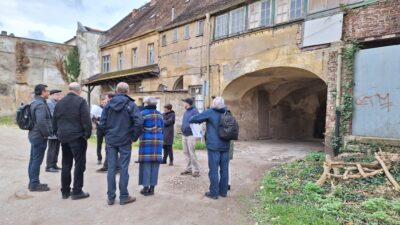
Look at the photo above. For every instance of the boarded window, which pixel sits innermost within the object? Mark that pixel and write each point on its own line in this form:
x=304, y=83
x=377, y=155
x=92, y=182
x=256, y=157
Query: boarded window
x=282, y=11
x=320, y=5
x=221, y=26
x=237, y=20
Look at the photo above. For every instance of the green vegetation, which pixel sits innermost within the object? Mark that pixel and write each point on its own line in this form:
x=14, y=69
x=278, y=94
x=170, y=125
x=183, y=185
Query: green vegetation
x=7, y=120
x=289, y=195
x=72, y=65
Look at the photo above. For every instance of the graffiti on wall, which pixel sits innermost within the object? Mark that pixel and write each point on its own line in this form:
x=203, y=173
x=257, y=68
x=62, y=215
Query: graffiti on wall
x=383, y=102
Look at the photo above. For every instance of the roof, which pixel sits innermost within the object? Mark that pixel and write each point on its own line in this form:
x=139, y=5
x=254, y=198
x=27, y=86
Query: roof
x=134, y=74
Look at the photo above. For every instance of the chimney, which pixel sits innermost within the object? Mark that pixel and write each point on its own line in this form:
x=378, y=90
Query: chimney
x=4, y=33
x=134, y=12
x=173, y=13
x=153, y=2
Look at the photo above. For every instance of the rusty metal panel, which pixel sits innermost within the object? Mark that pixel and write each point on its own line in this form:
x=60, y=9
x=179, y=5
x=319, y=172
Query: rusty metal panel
x=377, y=93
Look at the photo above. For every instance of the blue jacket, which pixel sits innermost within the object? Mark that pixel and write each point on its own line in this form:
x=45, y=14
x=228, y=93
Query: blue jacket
x=212, y=117
x=186, y=130
x=121, y=121
x=151, y=141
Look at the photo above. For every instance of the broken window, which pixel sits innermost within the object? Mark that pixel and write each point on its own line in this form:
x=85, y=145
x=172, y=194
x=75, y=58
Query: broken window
x=134, y=57
x=237, y=20
x=187, y=32
x=296, y=9
x=106, y=64
x=120, y=60
x=221, y=26
x=151, y=54
x=200, y=27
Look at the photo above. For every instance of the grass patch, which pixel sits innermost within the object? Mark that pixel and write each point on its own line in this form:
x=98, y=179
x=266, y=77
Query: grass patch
x=289, y=195
x=7, y=120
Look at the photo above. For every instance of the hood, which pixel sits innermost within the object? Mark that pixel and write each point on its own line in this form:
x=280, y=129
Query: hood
x=118, y=102
x=222, y=110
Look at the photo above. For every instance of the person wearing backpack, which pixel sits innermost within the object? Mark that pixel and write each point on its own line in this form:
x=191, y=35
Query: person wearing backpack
x=217, y=148
x=38, y=134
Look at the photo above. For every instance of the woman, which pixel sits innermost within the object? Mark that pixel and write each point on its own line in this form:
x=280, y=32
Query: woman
x=150, y=149
x=217, y=149
x=168, y=132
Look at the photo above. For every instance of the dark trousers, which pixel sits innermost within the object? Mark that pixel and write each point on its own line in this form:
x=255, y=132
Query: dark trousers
x=100, y=138
x=52, y=153
x=218, y=163
x=168, y=153
x=73, y=151
x=113, y=162
x=38, y=149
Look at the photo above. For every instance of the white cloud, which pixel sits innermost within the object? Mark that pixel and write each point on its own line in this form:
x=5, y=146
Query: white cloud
x=55, y=20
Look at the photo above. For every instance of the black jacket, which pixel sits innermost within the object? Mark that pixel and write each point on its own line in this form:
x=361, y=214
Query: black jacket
x=71, y=119
x=168, y=130
x=121, y=121
x=42, y=119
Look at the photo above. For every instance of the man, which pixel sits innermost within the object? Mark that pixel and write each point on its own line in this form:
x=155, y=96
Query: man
x=122, y=123
x=54, y=143
x=38, y=135
x=188, y=140
x=73, y=127
x=217, y=149
x=168, y=133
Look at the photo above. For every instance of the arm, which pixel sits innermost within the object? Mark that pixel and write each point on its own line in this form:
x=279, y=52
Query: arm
x=43, y=120
x=103, y=119
x=137, y=120
x=85, y=120
x=199, y=118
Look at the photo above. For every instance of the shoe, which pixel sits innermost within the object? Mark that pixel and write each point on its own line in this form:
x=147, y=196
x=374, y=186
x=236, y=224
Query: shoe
x=163, y=162
x=102, y=170
x=229, y=187
x=82, y=195
x=51, y=170
x=110, y=201
x=98, y=162
x=57, y=168
x=151, y=190
x=186, y=173
x=196, y=174
x=209, y=195
x=224, y=196
x=39, y=188
x=136, y=161
x=145, y=191
x=45, y=185
x=171, y=164
x=128, y=200
x=66, y=196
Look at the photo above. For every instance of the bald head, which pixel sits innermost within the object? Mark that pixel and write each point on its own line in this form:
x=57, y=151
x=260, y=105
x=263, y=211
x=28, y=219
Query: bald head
x=122, y=88
x=75, y=87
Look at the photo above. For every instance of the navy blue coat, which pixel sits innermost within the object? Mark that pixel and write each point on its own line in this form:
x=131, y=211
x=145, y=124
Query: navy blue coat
x=186, y=130
x=212, y=117
x=121, y=121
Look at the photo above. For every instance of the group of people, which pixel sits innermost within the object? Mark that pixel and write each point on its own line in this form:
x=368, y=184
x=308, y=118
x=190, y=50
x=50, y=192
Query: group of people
x=67, y=122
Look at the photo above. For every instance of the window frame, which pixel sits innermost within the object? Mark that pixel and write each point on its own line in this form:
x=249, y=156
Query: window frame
x=120, y=62
x=230, y=21
x=164, y=40
x=271, y=14
x=134, y=57
x=175, y=35
x=151, y=54
x=200, y=27
x=226, y=30
x=187, y=32
x=301, y=10
x=106, y=63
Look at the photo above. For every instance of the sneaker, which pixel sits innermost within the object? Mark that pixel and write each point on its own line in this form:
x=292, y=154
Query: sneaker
x=110, y=201
x=66, y=195
x=51, y=170
x=45, y=185
x=209, y=195
x=196, y=174
x=82, y=195
x=186, y=172
x=102, y=170
x=127, y=201
x=39, y=188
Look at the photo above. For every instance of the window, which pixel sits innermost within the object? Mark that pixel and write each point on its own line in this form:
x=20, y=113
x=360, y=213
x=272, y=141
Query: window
x=237, y=21
x=175, y=35
x=200, y=27
x=120, y=60
x=296, y=8
x=151, y=54
x=254, y=15
x=106, y=64
x=164, y=40
x=221, y=26
x=281, y=11
x=187, y=31
x=134, y=57
x=266, y=13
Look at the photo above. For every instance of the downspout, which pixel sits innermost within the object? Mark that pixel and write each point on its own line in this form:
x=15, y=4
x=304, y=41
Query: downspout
x=208, y=60
x=338, y=98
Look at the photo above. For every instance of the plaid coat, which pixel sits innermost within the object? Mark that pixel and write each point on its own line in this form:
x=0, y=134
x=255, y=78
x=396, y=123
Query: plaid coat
x=151, y=141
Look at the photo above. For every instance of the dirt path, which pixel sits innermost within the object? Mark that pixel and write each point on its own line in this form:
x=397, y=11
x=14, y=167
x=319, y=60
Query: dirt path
x=178, y=199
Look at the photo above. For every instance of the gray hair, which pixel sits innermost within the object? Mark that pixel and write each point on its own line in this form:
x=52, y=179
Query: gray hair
x=75, y=87
x=150, y=100
x=218, y=103
x=122, y=88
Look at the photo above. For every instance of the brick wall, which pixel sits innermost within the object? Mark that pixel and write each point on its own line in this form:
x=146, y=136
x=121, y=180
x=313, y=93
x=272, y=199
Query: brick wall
x=376, y=20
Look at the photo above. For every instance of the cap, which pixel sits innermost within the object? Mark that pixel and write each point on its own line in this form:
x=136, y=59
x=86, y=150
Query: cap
x=55, y=91
x=188, y=100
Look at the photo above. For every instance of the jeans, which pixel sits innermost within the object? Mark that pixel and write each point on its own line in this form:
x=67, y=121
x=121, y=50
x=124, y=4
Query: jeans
x=168, y=153
x=124, y=160
x=148, y=173
x=100, y=138
x=38, y=149
x=52, y=153
x=74, y=150
x=105, y=164
x=218, y=160
x=189, y=144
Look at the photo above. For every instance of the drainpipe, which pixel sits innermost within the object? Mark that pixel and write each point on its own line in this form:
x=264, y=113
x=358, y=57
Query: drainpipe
x=208, y=60
x=338, y=98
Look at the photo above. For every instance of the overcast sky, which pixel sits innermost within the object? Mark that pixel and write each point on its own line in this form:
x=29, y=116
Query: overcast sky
x=56, y=20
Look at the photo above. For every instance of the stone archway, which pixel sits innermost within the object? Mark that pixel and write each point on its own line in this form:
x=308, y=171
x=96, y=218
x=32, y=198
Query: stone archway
x=278, y=103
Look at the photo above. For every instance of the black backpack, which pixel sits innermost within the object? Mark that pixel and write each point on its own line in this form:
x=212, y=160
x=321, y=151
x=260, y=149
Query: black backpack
x=228, y=127
x=24, y=118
